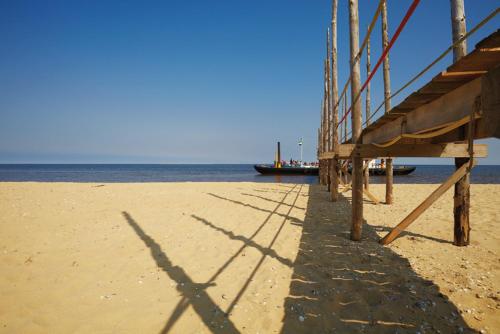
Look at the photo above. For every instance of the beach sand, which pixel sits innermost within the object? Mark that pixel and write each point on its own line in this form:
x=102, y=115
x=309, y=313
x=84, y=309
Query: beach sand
x=240, y=258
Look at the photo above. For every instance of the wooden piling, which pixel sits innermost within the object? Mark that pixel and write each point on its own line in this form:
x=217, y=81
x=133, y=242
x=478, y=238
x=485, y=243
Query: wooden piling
x=328, y=110
x=461, y=230
x=334, y=187
x=357, y=164
x=462, y=187
x=325, y=120
x=318, y=148
x=344, y=123
x=387, y=103
x=367, y=111
x=458, y=28
x=321, y=141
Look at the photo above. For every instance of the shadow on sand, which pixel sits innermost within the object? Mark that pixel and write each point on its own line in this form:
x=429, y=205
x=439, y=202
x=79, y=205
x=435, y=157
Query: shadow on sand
x=338, y=286
x=192, y=293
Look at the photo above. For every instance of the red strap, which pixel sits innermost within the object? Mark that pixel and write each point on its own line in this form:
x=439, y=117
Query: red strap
x=386, y=50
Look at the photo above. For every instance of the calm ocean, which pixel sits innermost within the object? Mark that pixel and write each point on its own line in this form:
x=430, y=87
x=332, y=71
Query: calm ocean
x=203, y=173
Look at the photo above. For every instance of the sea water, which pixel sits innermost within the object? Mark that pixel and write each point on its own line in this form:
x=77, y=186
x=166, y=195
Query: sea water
x=209, y=173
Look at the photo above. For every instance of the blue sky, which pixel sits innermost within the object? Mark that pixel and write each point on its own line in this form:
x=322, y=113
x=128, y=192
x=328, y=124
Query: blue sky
x=190, y=81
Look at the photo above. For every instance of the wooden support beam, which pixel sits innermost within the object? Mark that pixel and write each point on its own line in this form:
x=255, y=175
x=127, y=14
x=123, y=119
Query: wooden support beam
x=334, y=187
x=371, y=196
x=328, y=112
x=387, y=102
x=449, y=150
x=458, y=28
x=389, y=179
x=366, y=174
x=357, y=163
x=461, y=206
x=455, y=177
x=461, y=196
x=347, y=187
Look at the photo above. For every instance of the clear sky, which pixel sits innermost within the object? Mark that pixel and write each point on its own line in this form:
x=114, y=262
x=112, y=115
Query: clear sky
x=190, y=81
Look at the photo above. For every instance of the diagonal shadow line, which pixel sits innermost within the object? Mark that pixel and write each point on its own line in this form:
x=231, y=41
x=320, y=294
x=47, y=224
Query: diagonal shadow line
x=192, y=293
x=264, y=255
x=238, y=252
x=268, y=251
x=181, y=306
x=255, y=207
x=233, y=257
x=270, y=200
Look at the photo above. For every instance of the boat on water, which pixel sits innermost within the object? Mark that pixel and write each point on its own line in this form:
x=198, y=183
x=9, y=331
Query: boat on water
x=286, y=170
x=299, y=168
x=282, y=168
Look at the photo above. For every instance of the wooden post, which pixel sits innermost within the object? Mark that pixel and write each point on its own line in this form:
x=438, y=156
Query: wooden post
x=367, y=111
x=334, y=187
x=318, y=148
x=345, y=120
x=462, y=187
x=461, y=230
x=387, y=104
x=320, y=141
x=328, y=110
x=458, y=28
x=325, y=120
x=344, y=135
x=357, y=162
x=389, y=179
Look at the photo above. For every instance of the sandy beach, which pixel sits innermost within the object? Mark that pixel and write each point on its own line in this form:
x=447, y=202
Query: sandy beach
x=240, y=258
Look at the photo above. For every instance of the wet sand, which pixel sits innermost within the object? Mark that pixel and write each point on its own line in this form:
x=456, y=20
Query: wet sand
x=240, y=258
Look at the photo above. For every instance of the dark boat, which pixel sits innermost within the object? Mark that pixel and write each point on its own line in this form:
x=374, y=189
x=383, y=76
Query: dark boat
x=277, y=169
x=288, y=170
x=396, y=170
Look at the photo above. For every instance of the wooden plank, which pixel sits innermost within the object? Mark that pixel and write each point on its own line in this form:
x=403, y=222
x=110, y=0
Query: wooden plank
x=449, y=150
x=485, y=58
x=490, y=41
x=457, y=175
x=347, y=187
x=464, y=74
x=371, y=196
x=478, y=60
x=448, y=108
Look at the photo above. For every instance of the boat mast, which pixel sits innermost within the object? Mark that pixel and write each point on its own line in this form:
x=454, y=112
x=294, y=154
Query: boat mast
x=279, y=156
x=300, y=145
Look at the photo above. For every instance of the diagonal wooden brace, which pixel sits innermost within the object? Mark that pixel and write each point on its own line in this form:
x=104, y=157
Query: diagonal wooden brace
x=457, y=175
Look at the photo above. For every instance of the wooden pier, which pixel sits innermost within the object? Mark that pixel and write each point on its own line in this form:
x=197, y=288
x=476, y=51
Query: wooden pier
x=441, y=119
